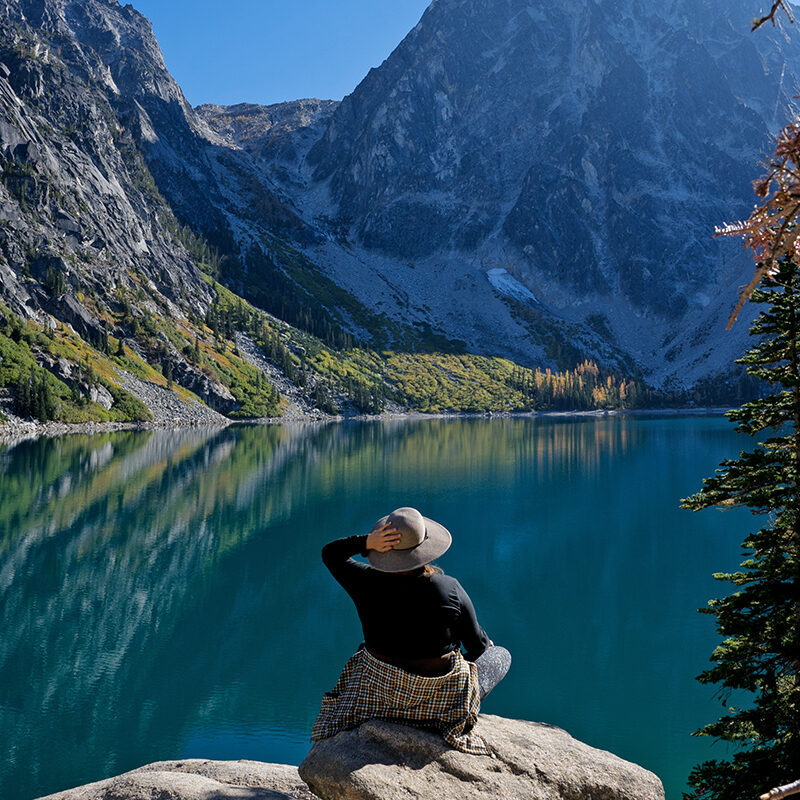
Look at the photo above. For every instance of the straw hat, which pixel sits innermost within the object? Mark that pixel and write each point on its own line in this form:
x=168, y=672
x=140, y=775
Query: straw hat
x=421, y=541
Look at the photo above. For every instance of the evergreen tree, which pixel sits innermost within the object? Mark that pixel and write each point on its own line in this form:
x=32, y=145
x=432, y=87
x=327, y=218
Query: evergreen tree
x=45, y=401
x=760, y=653
x=54, y=282
x=34, y=396
x=22, y=394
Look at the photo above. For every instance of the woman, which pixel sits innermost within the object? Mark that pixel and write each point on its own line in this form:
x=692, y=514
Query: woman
x=415, y=619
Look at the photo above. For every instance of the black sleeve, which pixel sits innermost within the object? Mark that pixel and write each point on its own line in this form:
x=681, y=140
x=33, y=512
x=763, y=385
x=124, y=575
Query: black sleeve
x=337, y=558
x=472, y=636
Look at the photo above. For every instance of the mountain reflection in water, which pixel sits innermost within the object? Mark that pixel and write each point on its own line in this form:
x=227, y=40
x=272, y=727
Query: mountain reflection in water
x=161, y=593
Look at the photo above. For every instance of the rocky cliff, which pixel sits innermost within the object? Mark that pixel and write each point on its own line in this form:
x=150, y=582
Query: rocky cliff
x=584, y=150
x=87, y=240
x=76, y=196
x=118, y=205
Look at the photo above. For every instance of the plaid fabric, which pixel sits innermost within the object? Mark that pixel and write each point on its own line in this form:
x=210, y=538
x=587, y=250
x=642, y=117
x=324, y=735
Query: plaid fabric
x=371, y=689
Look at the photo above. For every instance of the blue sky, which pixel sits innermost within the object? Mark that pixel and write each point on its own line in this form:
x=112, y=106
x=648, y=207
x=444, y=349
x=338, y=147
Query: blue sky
x=266, y=51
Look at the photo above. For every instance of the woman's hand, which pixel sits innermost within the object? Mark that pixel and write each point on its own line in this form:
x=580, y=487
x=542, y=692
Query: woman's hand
x=384, y=539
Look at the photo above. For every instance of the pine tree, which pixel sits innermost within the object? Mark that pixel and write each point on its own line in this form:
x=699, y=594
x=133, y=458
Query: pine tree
x=760, y=654
x=45, y=399
x=22, y=394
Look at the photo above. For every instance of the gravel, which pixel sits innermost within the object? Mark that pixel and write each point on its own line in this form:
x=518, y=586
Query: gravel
x=168, y=406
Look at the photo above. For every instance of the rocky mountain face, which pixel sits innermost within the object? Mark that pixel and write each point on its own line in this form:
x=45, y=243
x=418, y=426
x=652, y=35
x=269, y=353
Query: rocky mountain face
x=587, y=149
x=93, y=73
x=517, y=178
x=272, y=134
x=107, y=176
x=86, y=237
x=76, y=200
x=564, y=128
x=100, y=62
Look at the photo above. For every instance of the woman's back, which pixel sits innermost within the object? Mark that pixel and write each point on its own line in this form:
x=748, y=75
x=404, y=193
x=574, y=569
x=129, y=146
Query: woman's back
x=406, y=615
x=415, y=619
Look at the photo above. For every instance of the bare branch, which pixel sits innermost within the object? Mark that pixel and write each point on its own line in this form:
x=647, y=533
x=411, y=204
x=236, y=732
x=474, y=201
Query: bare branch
x=744, y=295
x=772, y=231
x=776, y=5
x=782, y=791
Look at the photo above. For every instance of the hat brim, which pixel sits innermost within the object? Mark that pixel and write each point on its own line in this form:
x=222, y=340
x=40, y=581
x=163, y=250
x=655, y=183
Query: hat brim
x=435, y=544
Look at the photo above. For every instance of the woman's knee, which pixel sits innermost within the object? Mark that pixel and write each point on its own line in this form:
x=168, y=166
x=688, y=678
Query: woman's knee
x=492, y=664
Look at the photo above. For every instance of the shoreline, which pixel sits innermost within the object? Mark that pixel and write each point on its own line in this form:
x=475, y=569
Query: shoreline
x=24, y=430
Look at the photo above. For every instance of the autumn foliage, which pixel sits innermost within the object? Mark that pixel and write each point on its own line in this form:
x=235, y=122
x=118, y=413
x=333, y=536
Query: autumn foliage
x=771, y=231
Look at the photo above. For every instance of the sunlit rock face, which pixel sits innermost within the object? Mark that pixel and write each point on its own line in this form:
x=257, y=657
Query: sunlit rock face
x=99, y=149
x=74, y=199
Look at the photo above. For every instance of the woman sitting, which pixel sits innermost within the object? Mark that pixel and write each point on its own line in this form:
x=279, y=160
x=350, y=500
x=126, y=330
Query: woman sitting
x=415, y=619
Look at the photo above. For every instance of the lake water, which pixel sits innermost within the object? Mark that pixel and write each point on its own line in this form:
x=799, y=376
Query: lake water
x=162, y=596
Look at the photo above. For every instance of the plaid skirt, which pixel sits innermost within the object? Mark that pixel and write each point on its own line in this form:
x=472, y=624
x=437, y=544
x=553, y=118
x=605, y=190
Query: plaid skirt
x=372, y=689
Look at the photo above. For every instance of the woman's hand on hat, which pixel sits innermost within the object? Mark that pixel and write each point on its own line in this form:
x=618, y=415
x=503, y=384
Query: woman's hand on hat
x=383, y=539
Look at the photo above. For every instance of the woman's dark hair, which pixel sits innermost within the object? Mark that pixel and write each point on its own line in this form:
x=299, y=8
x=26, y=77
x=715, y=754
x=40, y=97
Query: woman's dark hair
x=429, y=570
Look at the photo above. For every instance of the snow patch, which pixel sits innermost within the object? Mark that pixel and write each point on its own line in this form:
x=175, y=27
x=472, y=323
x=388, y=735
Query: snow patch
x=508, y=285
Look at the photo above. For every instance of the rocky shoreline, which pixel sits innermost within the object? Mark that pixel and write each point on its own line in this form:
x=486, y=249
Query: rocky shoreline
x=15, y=428
x=171, y=409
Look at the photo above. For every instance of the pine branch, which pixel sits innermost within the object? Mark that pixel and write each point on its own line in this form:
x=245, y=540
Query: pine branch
x=782, y=791
x=777, y=4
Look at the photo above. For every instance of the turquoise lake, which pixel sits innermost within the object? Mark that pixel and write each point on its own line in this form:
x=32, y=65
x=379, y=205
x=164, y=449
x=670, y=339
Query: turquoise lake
x=162, y=595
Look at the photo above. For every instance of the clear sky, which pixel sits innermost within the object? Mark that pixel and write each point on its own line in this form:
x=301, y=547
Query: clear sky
x=268, y=51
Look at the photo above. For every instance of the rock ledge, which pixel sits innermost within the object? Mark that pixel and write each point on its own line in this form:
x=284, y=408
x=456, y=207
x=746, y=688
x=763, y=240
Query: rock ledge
x=384, y=761
x=533, y=761
x=196, y=779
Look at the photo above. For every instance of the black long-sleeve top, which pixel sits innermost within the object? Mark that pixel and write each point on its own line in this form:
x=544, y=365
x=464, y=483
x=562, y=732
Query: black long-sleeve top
x=406, y=616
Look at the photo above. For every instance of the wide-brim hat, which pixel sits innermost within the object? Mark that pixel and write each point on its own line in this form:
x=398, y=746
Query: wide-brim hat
x=421, y=541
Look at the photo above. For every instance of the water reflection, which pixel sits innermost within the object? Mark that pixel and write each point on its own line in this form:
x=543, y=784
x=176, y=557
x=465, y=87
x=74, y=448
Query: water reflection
x=161, y=593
